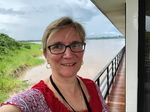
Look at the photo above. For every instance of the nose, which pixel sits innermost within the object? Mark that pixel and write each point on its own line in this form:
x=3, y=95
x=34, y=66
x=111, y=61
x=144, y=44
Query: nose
x=68, y=53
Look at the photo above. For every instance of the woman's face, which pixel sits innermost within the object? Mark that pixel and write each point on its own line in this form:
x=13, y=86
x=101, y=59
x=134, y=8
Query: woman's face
x=68, y=63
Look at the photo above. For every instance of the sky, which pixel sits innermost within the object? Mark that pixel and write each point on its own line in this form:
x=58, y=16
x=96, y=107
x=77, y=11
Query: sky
x=28, y=19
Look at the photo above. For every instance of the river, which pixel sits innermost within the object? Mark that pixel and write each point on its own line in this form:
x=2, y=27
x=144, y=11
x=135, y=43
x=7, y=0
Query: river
x=97, y=54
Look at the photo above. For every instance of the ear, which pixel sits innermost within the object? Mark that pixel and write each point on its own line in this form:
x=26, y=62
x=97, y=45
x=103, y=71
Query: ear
x=45, y=56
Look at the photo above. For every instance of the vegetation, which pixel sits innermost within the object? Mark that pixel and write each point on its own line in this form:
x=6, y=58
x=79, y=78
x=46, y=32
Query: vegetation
x=30, y=40
x=14, y=58
x=116, y=37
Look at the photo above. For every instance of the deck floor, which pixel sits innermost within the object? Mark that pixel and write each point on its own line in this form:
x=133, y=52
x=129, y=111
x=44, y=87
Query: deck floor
x=116, y=97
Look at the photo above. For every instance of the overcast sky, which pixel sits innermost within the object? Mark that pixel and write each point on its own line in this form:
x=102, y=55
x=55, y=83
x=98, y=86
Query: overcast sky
x=27, y=19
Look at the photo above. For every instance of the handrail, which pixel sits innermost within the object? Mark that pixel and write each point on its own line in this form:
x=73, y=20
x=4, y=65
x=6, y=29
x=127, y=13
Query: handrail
x=110, y=71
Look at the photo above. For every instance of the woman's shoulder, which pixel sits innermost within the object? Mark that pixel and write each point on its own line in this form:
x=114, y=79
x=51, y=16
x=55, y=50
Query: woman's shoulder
x=92, y=86
x=40, y=85
x=43, y=87
x=28, y=101
x=87, y=81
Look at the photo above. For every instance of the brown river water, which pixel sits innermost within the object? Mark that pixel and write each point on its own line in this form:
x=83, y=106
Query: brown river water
x=97, y=54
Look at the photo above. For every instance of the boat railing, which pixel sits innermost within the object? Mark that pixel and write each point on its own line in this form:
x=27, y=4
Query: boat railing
x=105, y=77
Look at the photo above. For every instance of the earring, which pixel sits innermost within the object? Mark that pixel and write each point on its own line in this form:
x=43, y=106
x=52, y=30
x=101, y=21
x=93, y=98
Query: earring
x=48, y=66
x=82, y=63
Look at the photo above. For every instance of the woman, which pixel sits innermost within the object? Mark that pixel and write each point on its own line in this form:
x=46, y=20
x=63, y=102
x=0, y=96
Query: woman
x=63, y=91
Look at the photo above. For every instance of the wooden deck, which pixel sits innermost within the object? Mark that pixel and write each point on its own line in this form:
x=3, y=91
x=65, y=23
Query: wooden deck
x=116, y=97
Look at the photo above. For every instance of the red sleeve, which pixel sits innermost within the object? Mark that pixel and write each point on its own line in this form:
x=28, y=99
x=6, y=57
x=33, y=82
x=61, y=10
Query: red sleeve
x=104, y=105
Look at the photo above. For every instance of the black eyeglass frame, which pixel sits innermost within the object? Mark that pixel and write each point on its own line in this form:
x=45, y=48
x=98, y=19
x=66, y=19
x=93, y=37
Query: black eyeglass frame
x=83, y=45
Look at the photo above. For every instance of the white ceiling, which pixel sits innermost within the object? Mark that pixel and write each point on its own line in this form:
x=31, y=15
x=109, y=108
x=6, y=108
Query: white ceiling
x=114, y=10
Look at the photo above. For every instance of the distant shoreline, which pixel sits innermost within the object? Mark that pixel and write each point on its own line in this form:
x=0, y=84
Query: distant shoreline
x=94, y=38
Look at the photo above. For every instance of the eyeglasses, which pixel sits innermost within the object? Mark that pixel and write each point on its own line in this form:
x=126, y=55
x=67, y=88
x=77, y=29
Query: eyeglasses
x=60, y=48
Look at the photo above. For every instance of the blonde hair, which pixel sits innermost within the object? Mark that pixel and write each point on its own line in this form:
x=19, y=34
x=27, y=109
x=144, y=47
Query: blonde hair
x=59, y=24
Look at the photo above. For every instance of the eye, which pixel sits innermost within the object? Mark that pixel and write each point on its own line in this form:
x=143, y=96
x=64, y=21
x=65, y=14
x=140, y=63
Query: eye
x=57, y=47
x=76, y=45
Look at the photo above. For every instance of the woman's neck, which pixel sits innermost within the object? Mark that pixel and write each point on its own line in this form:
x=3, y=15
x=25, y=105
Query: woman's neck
x=67, y=85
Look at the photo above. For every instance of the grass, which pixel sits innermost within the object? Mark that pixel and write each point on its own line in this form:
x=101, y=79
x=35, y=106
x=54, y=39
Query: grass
x=13, y=63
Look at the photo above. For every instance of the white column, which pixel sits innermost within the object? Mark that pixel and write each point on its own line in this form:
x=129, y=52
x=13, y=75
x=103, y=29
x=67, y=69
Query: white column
x=131, y=54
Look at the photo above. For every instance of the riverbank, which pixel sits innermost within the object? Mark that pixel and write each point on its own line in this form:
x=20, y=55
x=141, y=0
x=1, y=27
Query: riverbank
x=16, y=57
x=97, y=54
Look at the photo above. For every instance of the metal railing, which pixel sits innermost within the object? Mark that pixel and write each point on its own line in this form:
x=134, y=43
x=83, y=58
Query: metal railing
x=106, y=75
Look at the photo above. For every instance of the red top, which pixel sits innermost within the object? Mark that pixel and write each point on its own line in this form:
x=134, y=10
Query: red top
x=42, y=99
x=57, y=106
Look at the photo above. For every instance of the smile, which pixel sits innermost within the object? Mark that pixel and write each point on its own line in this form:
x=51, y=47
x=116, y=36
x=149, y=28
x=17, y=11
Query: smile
x=71, y=64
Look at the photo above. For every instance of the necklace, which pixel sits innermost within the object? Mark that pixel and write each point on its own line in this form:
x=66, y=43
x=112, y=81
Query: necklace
x=56, y=88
